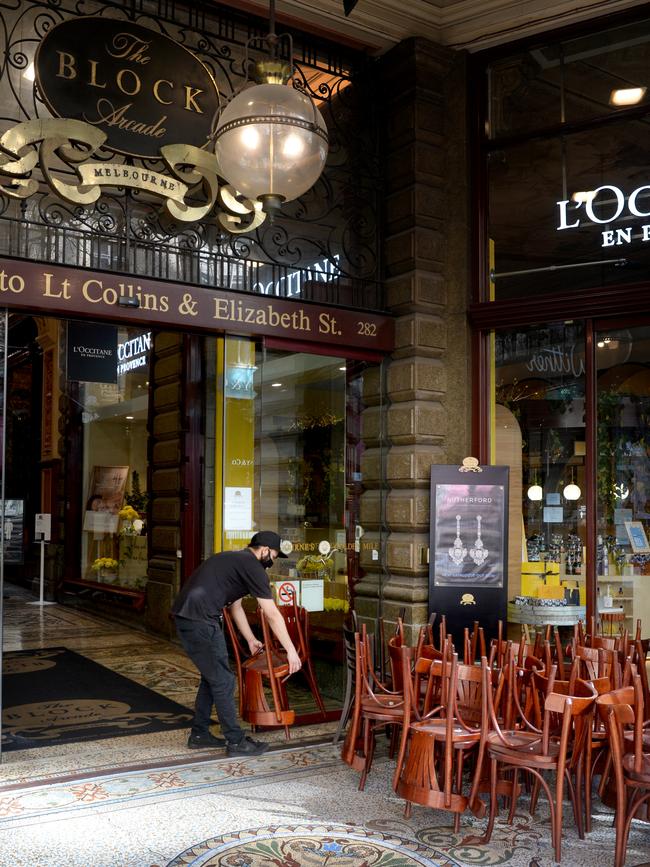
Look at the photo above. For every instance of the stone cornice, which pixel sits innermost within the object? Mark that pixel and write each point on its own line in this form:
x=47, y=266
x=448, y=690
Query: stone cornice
x=470, y=24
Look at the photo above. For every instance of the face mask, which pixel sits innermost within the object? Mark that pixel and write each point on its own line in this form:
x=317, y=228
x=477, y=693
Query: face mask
x=267, y=562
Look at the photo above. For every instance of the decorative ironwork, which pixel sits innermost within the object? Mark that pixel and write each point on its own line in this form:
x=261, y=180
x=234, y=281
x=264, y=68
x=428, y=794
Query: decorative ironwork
x=328, y=236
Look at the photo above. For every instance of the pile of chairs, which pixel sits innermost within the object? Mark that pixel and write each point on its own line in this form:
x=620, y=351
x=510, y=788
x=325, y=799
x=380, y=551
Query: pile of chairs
x=468, y=730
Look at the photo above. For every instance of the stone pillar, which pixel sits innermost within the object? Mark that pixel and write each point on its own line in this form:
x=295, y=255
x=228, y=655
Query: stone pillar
x=164, y=573
x=422, y=397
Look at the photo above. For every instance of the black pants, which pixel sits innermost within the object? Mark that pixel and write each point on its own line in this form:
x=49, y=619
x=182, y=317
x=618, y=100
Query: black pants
x=205, y=645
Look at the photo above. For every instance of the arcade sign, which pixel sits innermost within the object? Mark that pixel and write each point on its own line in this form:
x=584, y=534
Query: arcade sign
x=138, y=86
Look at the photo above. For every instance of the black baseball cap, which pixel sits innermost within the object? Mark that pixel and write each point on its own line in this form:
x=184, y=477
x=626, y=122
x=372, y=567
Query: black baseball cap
x=268, y=539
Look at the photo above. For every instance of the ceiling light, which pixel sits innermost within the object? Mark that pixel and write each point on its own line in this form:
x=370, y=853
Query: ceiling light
x=270, y=140
x=276, y=385
x=343, y=368
x=583, y=196
x=129, y=417
x=627, y=96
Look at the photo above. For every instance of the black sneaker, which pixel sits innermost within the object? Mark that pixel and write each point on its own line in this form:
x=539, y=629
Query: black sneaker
x=246, y=747
x=201, y=742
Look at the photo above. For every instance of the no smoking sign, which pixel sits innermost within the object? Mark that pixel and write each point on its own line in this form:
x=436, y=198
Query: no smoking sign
x=287, y=591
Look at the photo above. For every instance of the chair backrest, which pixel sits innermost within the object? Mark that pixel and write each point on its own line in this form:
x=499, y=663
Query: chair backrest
x=623, y=709
x=597, y=662
x=238, y=653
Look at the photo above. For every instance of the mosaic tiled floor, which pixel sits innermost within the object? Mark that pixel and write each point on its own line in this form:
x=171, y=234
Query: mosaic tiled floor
x=147, y=801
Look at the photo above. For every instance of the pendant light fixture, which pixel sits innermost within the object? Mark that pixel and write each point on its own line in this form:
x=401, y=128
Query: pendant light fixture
x=535, y=493
x=270, y=139
x=572, y=491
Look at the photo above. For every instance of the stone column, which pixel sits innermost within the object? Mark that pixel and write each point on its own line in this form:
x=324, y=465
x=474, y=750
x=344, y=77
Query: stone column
x=164, y=573
x=418, y=407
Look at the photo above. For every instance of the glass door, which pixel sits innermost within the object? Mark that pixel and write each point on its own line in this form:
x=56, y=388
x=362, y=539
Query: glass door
x=623, y=475
x=3, y=540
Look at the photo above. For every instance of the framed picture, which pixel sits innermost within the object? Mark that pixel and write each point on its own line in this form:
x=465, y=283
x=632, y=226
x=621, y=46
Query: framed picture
x=637, y=537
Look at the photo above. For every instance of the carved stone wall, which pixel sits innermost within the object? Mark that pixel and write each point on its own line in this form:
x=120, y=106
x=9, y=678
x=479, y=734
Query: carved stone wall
x=425, y=387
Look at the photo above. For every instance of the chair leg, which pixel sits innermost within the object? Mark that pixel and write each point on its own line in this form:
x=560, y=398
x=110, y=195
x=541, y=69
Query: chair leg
x=308, y=671
x=345, y=711
x=513, y=799
x=494, y=802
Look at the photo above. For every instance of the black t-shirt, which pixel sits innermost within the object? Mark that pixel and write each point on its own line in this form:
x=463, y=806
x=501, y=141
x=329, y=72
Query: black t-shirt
x=220, y=580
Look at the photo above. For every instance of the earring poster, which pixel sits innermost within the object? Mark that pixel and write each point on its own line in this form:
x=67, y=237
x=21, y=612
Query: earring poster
x=468, y=529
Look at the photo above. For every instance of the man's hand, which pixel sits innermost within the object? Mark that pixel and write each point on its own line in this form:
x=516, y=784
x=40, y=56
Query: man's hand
x=294, y=662
x=255, y=646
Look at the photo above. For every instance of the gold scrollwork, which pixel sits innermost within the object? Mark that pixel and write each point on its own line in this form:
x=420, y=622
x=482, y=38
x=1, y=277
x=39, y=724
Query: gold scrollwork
x=56, y=137
x=236, y=209
x=202, y=167
x=73, y=142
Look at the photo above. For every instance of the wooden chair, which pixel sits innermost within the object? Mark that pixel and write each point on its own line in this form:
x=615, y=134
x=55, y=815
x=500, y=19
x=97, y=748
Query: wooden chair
x=631, y=769
x=566, y=721
x=350, y=664
x=374, y=707
x=296, y=619
x=253, y=673
x=434, y=745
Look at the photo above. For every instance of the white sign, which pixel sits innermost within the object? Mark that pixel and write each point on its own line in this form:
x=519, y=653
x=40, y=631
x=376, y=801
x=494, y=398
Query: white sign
x=312, y=594
x=43, y=527
x=613, y=205
x=238, y=509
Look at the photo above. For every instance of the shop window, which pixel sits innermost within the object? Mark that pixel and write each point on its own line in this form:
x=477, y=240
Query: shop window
x=539, y=432
x=567, y=81
x=623, y=473
x=114, y=507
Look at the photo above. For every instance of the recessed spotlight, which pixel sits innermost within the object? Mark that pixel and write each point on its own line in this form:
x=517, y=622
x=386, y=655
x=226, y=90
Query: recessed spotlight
x=627, y=96
x=276, y=385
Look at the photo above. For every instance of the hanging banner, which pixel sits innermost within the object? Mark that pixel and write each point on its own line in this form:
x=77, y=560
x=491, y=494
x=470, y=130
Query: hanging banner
x=469, y=545
x=92, y=352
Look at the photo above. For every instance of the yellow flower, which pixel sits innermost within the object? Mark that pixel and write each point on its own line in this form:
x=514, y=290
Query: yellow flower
x=128, y=513
x=104, y=563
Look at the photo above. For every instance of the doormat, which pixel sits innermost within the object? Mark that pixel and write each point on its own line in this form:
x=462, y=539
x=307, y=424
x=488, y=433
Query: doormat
x=56, y=696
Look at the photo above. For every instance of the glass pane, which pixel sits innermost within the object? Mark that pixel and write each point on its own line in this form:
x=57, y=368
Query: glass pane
x=623, y=455
x=114, y=417
x=570, y=81
x=567, y=244
x=539, y=432
x=3, y=516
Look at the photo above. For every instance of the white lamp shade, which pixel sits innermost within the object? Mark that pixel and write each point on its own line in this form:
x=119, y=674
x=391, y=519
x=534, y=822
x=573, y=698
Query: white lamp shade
x=535, y=493
x=572, y=492
x=271, y=140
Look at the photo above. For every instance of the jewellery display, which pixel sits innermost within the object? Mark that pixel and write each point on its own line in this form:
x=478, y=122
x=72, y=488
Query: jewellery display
x=479, y=553
x=457, y=553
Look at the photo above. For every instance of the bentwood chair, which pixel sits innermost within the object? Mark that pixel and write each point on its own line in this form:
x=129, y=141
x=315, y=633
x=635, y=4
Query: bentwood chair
x=557, y=747
x=296, y=619
x=374, y=707
x=631, y=768
x=434, y=746
x=253, y=673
